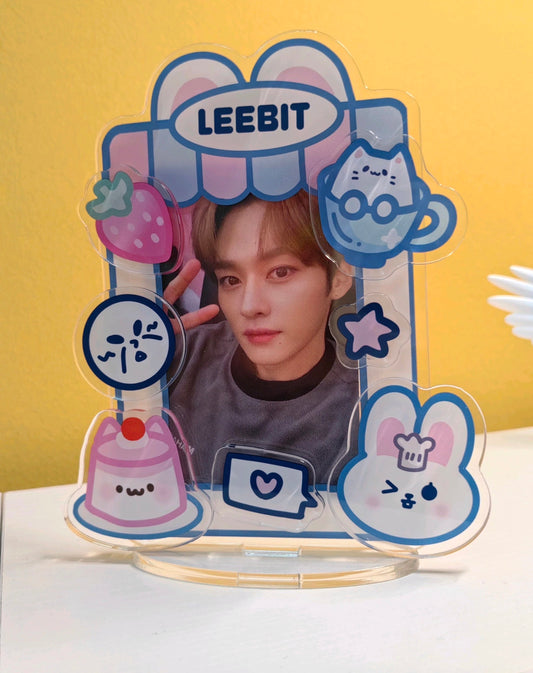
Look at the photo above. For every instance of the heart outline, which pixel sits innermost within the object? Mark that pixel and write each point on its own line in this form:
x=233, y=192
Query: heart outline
x=266, y=478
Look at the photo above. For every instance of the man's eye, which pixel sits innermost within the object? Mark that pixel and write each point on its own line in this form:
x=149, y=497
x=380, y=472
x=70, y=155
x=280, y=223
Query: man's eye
x=228, y=281
x=281, y=272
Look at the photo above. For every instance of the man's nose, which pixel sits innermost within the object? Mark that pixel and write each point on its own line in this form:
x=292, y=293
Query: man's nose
x=254, y=300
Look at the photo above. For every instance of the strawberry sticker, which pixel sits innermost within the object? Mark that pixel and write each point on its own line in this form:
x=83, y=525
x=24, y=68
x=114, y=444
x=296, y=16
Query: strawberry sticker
x=132, y=219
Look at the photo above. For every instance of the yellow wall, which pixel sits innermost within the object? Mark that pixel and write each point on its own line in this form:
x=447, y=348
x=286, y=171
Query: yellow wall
x=67, y=69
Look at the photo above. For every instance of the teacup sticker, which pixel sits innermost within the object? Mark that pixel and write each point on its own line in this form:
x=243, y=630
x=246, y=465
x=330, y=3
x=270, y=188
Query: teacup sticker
x=412, y=482
x=372, y=206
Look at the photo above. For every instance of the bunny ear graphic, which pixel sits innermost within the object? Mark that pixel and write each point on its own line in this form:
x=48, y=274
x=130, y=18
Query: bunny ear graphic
x=386, y=416
x=449, y=425
x=186, y=171
x=307, y=63
x=190, y=76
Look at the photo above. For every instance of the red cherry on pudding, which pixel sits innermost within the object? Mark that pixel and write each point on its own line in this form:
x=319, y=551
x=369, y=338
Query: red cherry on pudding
x=133, y=429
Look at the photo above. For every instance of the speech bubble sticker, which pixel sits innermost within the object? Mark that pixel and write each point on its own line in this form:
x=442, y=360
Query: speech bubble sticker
x=268, y=486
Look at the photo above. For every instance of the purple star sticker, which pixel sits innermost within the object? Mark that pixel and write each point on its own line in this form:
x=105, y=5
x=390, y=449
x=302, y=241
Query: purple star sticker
x=367, y=332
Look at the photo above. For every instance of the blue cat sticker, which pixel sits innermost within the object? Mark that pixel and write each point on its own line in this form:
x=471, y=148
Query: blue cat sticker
x=372, y=205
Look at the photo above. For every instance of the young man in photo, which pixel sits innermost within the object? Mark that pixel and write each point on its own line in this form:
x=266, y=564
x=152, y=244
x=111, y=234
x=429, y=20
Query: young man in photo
x=267, y=374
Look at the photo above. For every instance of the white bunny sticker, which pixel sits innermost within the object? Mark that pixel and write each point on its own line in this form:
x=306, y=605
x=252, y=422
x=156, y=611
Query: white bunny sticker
x=410, y=483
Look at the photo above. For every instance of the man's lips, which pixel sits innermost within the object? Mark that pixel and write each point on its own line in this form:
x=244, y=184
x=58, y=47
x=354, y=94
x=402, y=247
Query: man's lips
x=260, y=336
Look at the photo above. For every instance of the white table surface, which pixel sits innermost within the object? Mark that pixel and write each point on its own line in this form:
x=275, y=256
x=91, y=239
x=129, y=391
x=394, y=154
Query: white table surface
x=69, y=606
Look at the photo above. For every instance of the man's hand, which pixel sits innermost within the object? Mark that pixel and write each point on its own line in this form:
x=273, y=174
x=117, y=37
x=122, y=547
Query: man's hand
x=177, y=287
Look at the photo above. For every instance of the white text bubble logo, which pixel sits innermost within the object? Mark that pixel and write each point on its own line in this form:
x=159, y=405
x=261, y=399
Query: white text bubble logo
x=265, y=485
x=256, y=118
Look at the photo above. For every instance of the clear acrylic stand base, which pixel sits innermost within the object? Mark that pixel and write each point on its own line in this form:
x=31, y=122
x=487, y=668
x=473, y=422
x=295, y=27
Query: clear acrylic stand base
x=277, y=563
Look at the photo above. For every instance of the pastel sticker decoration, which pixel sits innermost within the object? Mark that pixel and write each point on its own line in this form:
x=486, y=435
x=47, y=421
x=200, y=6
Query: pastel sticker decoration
x=266, y=485
x=367, y=332
x=135, y=485
x=128, y=342
x=412, y=481
x=372, y=206
x=370, y=333
x=132, y=219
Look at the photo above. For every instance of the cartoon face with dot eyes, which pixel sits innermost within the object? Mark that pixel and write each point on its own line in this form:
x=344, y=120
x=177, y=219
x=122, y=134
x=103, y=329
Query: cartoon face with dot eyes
x=135, y=476
x=134, y=491
x=409, y=483
x=374, y=176
x=135, y=497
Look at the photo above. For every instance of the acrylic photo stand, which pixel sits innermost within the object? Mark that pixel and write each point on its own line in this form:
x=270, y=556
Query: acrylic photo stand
x=270, y=420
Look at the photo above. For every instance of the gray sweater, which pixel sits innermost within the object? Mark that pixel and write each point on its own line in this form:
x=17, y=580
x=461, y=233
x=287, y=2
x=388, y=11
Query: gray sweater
x=218, y=400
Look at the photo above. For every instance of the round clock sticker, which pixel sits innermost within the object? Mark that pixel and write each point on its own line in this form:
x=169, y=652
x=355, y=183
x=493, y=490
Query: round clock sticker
x=128, y=342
